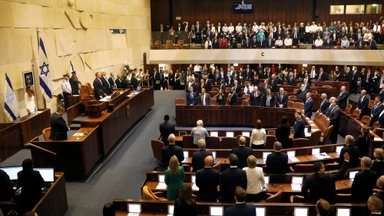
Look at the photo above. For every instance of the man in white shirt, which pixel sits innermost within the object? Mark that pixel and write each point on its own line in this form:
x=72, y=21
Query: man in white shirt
x=231, y=28
x=288, y=42
x=344, y=42
x=319, y=42
x=279, y=42
x=225, y=28
x=67, y=89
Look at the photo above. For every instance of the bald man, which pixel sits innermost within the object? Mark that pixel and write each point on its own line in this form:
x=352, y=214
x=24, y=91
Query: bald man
x=242, y=152
x=168, y=151
x=207, y=179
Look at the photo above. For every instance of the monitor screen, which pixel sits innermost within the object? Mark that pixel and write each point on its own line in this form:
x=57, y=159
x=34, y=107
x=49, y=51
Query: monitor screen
x=260, y=211
x=186, y=154
x=343, y=212
x=291, y=154
x=193, y=179
x=214, y=155
x=352, y=174
x=299, y=211
x=266, y=179
x=297, y=180
x=316, y=151
x=265, y=154
x=161, y=178
x=171, y=209
x=48, y=174
x=246, y=133
x=229, y=134
x=134, y=208
x=214, y=133
x=12, y=171
x=338, y=149
x=216, y=211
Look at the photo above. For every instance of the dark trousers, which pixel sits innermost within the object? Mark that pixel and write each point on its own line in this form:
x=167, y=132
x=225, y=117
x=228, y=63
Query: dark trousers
x=258, y=146
x=66, y=100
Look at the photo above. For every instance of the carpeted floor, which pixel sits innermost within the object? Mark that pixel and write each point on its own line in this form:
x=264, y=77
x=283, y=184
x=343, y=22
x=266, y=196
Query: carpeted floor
x=123, y=172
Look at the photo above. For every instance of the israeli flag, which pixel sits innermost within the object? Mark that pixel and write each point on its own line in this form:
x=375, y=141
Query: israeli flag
x=10, y=103
x=44, y=73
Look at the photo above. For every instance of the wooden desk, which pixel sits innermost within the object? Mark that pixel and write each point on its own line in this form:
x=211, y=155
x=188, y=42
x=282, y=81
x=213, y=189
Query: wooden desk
x=33, y=124
x=76, y=157
x=245, y=116
x=10, y=140
x=54, y=202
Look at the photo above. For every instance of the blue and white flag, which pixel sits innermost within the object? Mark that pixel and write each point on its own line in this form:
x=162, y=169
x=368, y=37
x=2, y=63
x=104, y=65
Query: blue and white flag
x=10, y=103
x=44, y=73
x=71, y=68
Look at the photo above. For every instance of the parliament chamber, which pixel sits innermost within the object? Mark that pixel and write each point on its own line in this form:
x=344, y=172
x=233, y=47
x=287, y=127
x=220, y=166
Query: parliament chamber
x=87, y=85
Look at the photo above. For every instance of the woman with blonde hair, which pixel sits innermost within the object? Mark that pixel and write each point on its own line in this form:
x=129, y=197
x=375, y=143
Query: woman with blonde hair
x=29, y=99
x=174, y=178
x=255, y=180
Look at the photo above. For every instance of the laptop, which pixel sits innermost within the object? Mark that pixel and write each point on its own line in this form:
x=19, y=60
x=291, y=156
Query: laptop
x=260, y=211
x=343, y=212
x=134, y=208
x=300, y=211
x=216, y=211
x=12, y=171
x=229, y=134
x=352, y=174
x=246, y=133
x=171, y=209
x=48, y=174
x=297, y=180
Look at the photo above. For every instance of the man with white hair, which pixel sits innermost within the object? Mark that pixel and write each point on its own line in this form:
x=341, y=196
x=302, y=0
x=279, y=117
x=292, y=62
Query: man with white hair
x=171, y=149
x=352, y=150
x=324, y=104
x=362, y=103
x=364, y=181
x=199, y=132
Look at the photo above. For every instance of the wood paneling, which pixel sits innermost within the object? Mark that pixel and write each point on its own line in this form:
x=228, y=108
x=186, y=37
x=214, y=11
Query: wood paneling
x=288, y=11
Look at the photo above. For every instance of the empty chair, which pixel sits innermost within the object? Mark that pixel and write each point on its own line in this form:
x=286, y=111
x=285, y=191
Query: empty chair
x=342, y=198
x=292, y=97
x=270, y=140
x=228, y=142
x=157, y=44
x=300, y=142
x=188, y=142
x=315, y=137
x=348, y=108
x=327, y=134
x=213, y=142
x=356, y=114
x=326, y=86
x=47, y=133
x=291, y=104
x=148, y=194
x=245, y=102
x=156, y=149
x=303, y=168
x=379, y=131
x=365, y=120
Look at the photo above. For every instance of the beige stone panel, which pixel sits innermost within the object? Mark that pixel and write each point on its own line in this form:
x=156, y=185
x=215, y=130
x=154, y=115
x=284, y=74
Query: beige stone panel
x=27, y=15
x=108, y=58
x=65, y=42
x=6, y=14
x=48, y=36
x=118, y=41
x=48, y=3
x=102, y=6
x=16, y=45
x=73, y=17
x=15, y=73
x=93, y=40
x=54, y=17
x=77, y=63
x=102, y=21
x=138, y=38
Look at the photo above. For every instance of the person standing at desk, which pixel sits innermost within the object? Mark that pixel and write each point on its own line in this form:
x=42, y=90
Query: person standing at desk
x=6, y=191
x=29, y=99
x=67, y=90
x=31, y=183
x=166, y=128
x=199, y=132
x=174, y=178
x=74, y=81
x=59, y=127
x=98, y=88
x=298, y=128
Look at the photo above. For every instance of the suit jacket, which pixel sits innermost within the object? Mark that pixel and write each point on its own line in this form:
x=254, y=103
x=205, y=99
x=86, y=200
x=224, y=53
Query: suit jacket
x=207, y=179
x=334, y=117
x=168, y=151
x=31, y=183
x=282, y=100
x=277, y=163
x=74, y=85
x=354, y=155
x=59, y=128
x=324, y=106
x=198, y=158
x=378, y=166
x=255, y=100
x=98, y=89
x=272, y=101
x=6, y=191
x=112, y=82
x=298, y=129
x=242, y=153
x=230, y=178
x=233, y=99
x=308, y=107
x=191, y=99
x=323, y=76
x=362, y=103
x=207, y=99
x=364, y=182
x=242, y=209
x=343, y=99
x=318, y=185
x=106, y=86
x=376, y=110
x=166, y=128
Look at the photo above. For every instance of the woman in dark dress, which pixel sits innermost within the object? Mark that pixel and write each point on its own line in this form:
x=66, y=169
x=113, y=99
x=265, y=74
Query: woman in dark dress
x=283, y=132
x=185, y=205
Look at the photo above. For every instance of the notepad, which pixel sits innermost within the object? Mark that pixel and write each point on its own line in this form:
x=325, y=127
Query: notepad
x=343, y=212
x=134, y=208
x=161, y=186
x=316, y=151
x=294, y=159
x=377, y=139
x=296, y=187
x=265, y=154
x=229, y=134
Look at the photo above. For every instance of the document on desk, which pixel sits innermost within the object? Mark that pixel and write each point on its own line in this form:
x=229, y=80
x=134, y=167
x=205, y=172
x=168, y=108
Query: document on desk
x=195, y=188
x=294, y=159
x=161, y=186
x=322, y=156
x=133, y=214
x=296, y=187
x=377, y=139
x=105, y=99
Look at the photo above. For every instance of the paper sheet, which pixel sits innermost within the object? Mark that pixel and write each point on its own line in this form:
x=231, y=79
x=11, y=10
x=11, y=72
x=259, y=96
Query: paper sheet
x=161, y=186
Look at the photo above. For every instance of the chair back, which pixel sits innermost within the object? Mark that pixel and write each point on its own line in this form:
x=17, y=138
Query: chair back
x=213, y=142
x=188, y=142
x=365, y=120
x=148, y=194
x=331, y=166
x=228, y=142
x=304, y=168
x=245, y=102
x=348, y=108
x=315, y=138
x=379, y=131
x=343, y=198
x=270, y=140
x=300, y=142
x=156, y=149
x=327, y=134
x=47, y=133
x=356, y=114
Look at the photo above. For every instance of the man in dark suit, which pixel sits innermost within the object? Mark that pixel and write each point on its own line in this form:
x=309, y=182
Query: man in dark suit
x=324, y=105
x=156, y=79
x=232, y=97
x=230, y=178
x=334, y=119
x=166, y=128
x=31, y=183
x=343, y=98
x=269, y=99
x=59, y=127
x=298, y=127
x=168, y=151
x=322, y=185
x=191, y=97
x=376, y=110
x=364, y=181
x=255, y=97
x=106, y=86
x=322, y=75
x=352, y=150
x=362, y=103
x=199, y=155
x=237, y=87
x=6, y=191
x=207, y=179
x=240, y=208
x=277, y=161
x=282, y=99
x=74, y=81
x=308, y=105
x=242, y=152
x=98, y=88
x=204, y=98
x=112, y=80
